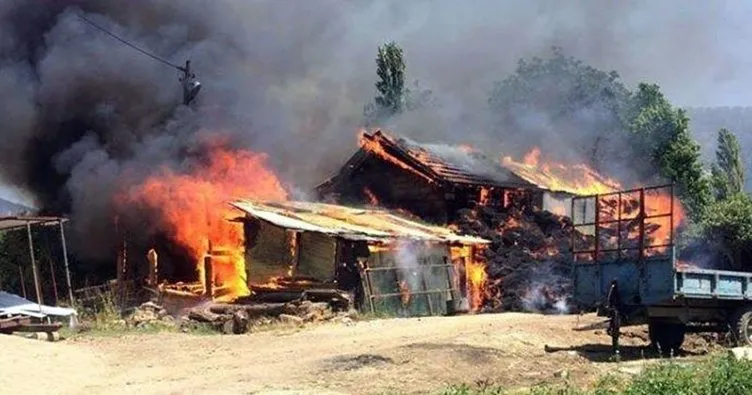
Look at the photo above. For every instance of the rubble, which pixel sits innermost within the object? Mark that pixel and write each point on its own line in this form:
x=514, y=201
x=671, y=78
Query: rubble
x=236, y=318
x=527, y=263
x=149, y=314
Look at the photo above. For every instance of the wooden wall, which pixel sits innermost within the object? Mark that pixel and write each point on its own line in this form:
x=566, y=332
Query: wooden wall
x=269, y=256
x=395, y=188
x=317, y=256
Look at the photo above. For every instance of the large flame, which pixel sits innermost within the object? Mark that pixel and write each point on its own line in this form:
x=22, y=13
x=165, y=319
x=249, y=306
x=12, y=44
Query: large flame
x=193, y=209
x=578, y=179
x=662, y=217
x=476, y=277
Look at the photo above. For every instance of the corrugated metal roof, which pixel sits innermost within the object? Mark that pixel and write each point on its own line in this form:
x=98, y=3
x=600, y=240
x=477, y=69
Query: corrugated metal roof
x=349, y=223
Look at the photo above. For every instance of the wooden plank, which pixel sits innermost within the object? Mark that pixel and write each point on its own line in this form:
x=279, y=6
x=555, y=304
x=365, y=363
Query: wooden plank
x=14, y=322
x=39, y=327
x=317, y=256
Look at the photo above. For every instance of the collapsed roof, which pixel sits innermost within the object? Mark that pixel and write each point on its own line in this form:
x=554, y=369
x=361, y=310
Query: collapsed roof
x=349, y=223
x=444, y=164
x=447, y=164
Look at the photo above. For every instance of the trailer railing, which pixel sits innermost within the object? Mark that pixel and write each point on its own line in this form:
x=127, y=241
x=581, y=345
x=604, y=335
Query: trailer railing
x=632, y=224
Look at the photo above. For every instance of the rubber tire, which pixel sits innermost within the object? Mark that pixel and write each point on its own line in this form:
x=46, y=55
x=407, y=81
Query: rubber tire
x=667, y=337
x=740, y=323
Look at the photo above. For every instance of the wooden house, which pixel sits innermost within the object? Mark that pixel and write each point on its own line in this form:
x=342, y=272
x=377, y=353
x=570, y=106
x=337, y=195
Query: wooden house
x=432, y=181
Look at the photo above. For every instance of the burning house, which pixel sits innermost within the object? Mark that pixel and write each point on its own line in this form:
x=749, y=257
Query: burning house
x=377, y=261
x=521, y=205
x=388, y=264
x=435, y=181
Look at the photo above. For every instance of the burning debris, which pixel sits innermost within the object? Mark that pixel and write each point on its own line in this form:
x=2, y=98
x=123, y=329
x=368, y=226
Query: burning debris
x=523, y=241
x=239, y=318
x=626, y=224
x=577, y=179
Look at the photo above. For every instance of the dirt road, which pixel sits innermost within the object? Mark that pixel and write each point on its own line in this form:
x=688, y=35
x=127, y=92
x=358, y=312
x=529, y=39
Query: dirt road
x=383, y=356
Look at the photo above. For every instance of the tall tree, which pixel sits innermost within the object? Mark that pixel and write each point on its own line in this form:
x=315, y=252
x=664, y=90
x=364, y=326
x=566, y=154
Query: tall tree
x=729, y=230
x=569, y=108
x=728, y=169
x=662, y=131
x=390, y=69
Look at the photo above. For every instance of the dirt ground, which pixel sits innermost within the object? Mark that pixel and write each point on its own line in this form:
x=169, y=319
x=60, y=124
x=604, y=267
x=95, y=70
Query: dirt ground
x=380, y=356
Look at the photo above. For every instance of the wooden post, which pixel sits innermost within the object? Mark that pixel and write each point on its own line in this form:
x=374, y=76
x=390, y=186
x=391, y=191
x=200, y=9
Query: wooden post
x=425, y=289
x=23, y=281
x=120, y=264
x=153, y=259
x=35, y=271
x=642, y=226
x=366, y=282
x=54, y=281
x=294, y=253
x=208, y=277
x=65, y=259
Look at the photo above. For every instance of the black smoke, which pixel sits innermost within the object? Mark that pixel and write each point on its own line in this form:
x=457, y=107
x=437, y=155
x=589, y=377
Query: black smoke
x=83, y=116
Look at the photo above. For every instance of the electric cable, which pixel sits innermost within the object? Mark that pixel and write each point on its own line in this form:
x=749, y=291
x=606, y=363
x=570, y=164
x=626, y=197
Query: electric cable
x=113, y=35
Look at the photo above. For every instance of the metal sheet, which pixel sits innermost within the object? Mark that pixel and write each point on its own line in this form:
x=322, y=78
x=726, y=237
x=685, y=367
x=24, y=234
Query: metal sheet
x=11, y=304
x=349, y=223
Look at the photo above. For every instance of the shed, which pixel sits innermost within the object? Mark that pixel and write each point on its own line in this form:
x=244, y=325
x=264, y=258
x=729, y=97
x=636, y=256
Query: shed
x=388, y=263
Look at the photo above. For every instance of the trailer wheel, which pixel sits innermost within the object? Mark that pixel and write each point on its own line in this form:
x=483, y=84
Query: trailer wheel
x=741, y=325
x=666, y=337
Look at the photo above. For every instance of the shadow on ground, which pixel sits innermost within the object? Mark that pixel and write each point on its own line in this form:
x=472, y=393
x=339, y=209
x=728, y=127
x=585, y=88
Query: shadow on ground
x=604, y=352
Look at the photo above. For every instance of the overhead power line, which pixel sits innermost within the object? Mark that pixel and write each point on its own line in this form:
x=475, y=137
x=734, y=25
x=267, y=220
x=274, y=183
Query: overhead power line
x=113, y=35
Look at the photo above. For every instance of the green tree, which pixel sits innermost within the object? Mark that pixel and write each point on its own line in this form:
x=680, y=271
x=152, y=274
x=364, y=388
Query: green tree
x=662, y=131
x=728, y=169
x=393, y=95
x=566, y=106
x=390, y=69
x=727, y=226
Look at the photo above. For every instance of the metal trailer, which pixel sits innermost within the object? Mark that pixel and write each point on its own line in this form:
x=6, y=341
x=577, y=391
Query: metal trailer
x=622, y=267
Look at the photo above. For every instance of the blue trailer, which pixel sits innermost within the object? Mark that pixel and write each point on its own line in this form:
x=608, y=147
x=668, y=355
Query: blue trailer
x=624, y=265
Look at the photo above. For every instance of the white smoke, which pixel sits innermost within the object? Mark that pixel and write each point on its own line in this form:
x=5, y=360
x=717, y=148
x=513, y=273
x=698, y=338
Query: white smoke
x=540, y=299
x=547, y=292
x=406, y=258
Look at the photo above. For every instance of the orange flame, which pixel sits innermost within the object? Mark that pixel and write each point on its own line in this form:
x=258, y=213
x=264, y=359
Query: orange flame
x=484, y=196
x=475, y=273
x=404, y=293
x=659, y=225
x=193, y=209
x=578, y=179
x=660, y=204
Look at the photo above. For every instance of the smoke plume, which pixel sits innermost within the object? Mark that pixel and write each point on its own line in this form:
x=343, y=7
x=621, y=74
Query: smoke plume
x=547, y=291
x=85, y=117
